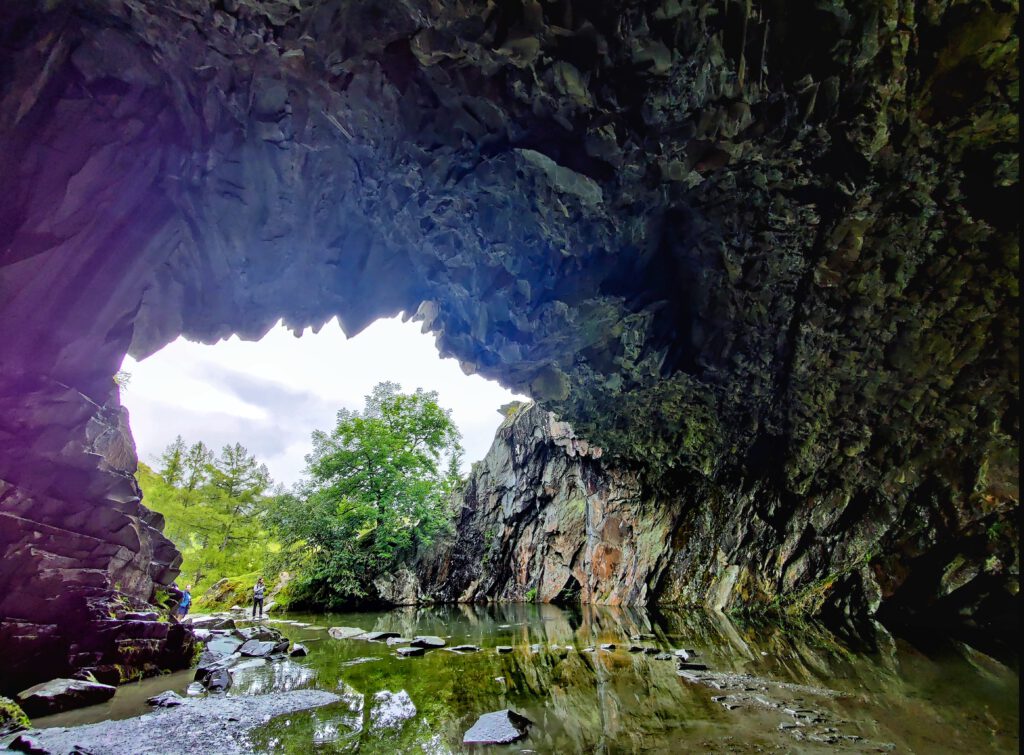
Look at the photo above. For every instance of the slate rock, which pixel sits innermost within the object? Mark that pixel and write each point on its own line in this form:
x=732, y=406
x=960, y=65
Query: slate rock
x=298, y=650
x=409, y=652
x=428, y=641
x=62, y=694
x=345, y=633
x=168, y=699
x=258, y=649
x=499, y=727
x=218, y=681
x=504, y=649
x=376, y=636
x=465, y=648
x=608, y=646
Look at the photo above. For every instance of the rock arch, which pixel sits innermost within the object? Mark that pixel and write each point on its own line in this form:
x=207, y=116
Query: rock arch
x=766, y=254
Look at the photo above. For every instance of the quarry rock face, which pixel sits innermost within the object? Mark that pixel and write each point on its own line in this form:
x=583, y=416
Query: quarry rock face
x=765, y=256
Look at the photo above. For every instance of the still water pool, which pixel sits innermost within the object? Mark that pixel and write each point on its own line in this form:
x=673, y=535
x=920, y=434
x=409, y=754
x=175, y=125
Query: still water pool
x=782, y=689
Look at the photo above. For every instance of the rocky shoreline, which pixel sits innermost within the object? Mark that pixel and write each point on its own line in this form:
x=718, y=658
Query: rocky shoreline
x=211, y=724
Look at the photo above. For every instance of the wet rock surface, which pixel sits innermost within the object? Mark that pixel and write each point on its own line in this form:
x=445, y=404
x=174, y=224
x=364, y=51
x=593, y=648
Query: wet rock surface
x=499, y=727
x=216, y=724
x=62, y=694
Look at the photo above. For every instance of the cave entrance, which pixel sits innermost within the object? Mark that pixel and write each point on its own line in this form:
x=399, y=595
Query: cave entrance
x=270, y=395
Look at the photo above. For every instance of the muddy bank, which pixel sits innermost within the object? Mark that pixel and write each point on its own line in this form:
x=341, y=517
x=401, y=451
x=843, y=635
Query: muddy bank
x=212, y=724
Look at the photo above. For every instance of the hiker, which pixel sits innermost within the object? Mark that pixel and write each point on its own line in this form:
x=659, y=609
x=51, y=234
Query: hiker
x=257, y=597
x=186, y=602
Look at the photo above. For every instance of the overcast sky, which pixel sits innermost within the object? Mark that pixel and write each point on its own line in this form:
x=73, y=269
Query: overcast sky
x=270, y=395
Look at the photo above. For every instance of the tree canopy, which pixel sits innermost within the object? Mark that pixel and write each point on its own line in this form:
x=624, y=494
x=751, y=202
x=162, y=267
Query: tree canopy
x=379, y=486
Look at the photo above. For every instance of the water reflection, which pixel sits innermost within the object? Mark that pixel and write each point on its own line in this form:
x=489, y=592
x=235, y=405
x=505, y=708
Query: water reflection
x=942, y=697
x=619, y=701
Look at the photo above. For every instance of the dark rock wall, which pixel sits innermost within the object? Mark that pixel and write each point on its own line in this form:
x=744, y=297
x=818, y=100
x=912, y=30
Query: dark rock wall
x=80, y=557
x=766, y=253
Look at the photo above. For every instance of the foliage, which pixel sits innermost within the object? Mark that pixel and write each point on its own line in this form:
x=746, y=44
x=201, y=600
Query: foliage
x=380, y=486
x=531, y=595
x=213, y=507
x=12, y=717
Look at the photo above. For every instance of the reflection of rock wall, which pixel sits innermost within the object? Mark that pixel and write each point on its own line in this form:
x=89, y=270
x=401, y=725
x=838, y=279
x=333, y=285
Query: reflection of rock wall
x=79, y=556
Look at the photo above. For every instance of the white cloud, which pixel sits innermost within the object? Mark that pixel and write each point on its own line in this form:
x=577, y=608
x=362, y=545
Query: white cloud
x=270, y=395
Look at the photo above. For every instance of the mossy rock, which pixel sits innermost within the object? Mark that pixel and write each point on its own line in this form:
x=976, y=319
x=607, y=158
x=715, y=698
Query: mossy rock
x=231, y=591
x=12, y=717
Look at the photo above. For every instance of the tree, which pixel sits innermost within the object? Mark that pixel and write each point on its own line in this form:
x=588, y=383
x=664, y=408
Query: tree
x=379, y=487
x=213, y=508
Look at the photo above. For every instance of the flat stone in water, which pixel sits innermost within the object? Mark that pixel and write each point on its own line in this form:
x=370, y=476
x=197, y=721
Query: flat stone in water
x=608, y=646
x=409, y=652
x=376, y=636
x=504, y=648
x=398, y=641
x=257, y=648
x=298, y=649
x=345, y=633
x=499, y=727
x=465, y=648
x=428, y=641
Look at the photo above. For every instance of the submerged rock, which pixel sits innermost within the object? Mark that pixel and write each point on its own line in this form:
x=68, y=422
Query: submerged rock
x=411, y=651
x=499, y=727
x=391, y=709
x=63, y=694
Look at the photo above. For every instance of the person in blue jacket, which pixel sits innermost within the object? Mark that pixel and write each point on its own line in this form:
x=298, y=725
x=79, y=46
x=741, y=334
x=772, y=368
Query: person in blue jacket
x=186, y=602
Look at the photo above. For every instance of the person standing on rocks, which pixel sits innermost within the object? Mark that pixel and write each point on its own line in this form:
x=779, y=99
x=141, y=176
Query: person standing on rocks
x=257, y=597
x=186, y=602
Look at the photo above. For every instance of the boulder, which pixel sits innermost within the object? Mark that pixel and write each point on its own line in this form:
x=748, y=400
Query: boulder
x=499, y=727
x=428, y=641
x=168, y=699
x=63, y=694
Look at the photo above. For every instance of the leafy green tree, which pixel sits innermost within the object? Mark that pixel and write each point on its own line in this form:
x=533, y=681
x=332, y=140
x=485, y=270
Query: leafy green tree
x=380, y=486
x=213, y=508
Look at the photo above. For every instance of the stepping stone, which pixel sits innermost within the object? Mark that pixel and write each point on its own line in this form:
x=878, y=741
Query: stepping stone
x=504, y=649
x=497, y=728
x=684, y=654
x=376, y=636
x=257, y=648
x=398, y=641
x=465, y=648
x=608, y=646
x=298, y=650
x=636, y=649
x=692, y=667
x=409, y=652
x=428, y=641
x=344, y=633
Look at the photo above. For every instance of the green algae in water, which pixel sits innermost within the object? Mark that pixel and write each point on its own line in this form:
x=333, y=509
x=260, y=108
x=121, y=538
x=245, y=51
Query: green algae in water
x=952, y=700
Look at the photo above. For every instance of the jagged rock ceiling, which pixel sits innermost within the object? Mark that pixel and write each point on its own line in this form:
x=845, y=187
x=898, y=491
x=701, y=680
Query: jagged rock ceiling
x=753, y=243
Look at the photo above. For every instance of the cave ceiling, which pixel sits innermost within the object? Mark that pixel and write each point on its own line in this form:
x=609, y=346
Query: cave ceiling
x=724, y=239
